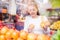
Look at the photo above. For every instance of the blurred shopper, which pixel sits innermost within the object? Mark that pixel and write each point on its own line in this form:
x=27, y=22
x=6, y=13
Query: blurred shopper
x=18, y=24
x=33, y=21
x=12, y=9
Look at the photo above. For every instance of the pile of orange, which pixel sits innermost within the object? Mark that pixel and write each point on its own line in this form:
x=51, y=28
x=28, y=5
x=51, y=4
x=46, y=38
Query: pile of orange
x=11, y=34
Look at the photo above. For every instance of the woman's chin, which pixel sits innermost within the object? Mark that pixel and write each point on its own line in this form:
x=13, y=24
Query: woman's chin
x=33, y=16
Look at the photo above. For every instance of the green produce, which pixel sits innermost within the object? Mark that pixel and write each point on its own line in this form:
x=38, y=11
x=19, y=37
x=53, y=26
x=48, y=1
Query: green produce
x=56, y=36
x=55, y=3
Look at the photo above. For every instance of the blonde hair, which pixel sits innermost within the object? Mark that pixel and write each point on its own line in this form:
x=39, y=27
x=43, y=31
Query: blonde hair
x=34, y=5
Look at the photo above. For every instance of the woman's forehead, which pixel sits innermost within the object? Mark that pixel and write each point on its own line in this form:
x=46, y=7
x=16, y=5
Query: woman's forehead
x=31, y=7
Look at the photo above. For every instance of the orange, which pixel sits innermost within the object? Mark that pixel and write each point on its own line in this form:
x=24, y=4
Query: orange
x=31, y=36
x=4, y=30
x=23, y=34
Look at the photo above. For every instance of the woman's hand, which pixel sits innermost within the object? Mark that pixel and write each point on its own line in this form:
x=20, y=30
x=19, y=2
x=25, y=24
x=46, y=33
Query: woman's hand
x=47, y=23
x=44, y=24
x=30, y=28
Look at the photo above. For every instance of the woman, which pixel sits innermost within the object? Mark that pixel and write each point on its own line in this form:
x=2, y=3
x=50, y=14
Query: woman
x=33, y=21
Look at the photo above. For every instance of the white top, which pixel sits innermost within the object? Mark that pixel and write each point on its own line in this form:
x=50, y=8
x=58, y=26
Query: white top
x=36, y=22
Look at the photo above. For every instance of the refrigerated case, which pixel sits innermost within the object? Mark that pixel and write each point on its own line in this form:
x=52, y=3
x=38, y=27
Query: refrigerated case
x=54, y=14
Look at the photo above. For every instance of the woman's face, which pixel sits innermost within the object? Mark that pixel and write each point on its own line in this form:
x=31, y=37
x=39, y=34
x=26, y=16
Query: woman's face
x=32, y=10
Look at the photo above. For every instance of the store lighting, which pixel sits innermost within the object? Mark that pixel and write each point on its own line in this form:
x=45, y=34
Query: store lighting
x=3, y=0
x=45, y=1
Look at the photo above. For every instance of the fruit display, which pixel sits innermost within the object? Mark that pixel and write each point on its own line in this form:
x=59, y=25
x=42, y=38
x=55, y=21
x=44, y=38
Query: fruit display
x=23, y=34
x=56, y=36
x=43, y=37
x=2, y=37
x=11, y=34
x=19, y=39
x=31, y=36
x=7, y=33
x=55, y=25
x=4, y=30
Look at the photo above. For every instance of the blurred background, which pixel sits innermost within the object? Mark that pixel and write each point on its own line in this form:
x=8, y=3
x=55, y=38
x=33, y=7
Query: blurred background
x=13, y=12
